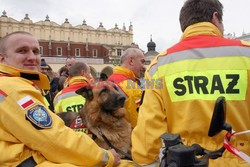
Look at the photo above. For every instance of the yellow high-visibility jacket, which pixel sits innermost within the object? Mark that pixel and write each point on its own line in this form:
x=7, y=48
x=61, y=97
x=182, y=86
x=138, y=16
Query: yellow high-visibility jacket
x=28, y=128
x=188, y=78
x=128, y=83
x=67, y=100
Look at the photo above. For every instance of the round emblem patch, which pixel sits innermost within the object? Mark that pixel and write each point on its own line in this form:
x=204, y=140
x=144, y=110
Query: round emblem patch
x=39, y=116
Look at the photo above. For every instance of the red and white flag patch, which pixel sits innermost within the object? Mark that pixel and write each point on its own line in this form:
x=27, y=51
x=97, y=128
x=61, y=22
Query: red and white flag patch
x=25, y=102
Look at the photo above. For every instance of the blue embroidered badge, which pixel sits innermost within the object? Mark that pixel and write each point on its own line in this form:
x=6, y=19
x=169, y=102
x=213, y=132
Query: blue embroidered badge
x=39, y=116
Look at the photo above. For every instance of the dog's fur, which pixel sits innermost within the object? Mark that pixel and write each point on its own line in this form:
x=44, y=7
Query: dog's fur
x=104, y=110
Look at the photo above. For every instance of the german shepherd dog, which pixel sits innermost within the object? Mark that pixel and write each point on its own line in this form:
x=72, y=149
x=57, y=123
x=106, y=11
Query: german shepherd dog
x=104, y=114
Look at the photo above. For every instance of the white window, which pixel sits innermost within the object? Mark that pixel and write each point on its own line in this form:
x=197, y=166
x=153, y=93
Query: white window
x=95, y=53
x=119, y=52
x=59, y=51
x=41, y=50
x=77, y=52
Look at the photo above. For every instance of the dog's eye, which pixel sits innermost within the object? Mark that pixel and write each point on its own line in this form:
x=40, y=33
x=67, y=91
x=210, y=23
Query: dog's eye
x=115, y=87
x=105, y=90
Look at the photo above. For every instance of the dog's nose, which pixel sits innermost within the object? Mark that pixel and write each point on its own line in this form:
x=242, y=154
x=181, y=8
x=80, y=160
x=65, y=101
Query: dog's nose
x=121, y=100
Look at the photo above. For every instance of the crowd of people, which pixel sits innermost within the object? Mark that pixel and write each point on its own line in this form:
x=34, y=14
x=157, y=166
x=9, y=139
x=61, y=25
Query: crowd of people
x=187, y=79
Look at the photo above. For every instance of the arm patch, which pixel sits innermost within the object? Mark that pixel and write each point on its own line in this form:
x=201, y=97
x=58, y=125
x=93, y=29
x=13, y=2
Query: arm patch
x=39, y=117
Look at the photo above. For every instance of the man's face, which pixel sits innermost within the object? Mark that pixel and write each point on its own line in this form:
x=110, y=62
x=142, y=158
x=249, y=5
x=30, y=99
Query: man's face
x=70, y=62
x=44, y=70
x=138, y=65
x=88, y=75
x=22, y=51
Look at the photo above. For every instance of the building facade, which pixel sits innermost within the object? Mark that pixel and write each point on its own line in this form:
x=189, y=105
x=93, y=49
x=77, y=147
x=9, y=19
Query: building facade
x=58, y=41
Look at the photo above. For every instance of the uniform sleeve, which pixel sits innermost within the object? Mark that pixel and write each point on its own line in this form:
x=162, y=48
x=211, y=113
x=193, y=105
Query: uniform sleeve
x=151, y=124
x=57, y=143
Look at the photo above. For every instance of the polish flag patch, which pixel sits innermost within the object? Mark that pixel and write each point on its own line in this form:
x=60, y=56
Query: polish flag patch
x=25, y=102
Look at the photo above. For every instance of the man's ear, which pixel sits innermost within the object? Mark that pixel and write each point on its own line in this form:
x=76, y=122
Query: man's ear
x=131, y=61
x=215, y=19
x=86, y=92
x=82, y=73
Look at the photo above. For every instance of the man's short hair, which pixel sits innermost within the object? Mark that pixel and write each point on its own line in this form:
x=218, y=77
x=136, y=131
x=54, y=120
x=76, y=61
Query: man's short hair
x=76, y=68
x=4, y=40
x=68, y=58
x=195, y=11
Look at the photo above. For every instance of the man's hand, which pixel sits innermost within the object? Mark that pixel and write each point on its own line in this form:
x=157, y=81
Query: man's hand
x=116, y=156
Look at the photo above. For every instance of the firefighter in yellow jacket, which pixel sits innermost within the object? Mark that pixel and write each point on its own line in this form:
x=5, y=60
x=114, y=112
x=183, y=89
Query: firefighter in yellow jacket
x=67, y=100
x=30, y=133
x=188, y=78
x=127, y=78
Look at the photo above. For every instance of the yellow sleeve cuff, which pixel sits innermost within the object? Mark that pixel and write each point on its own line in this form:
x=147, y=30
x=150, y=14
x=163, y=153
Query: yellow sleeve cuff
x=111, y=159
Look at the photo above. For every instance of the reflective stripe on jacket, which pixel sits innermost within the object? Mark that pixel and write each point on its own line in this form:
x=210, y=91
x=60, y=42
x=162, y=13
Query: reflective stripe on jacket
x=128, y=83
x=188, y=78
x=67, y=100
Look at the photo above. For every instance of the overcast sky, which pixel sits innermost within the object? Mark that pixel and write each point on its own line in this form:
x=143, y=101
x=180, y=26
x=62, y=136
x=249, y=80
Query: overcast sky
x=157, y=17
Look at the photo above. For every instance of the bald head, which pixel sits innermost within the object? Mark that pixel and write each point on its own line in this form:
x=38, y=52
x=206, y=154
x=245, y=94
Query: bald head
x=21, y=50
x=133, y=59
x=130, y=52
x=4, y=40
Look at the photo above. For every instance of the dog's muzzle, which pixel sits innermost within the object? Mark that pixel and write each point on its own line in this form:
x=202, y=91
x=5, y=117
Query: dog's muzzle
x=121, y=100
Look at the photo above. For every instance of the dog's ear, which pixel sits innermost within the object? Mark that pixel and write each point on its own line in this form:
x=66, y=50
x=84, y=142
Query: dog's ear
x=86, y=92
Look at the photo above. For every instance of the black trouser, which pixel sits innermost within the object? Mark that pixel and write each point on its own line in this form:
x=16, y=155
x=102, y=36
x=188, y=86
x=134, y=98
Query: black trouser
x=30, y=162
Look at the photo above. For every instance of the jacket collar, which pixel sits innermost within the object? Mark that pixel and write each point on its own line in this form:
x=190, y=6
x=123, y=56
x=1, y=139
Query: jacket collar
x=124, y=71
x=37, y=78
x=77, y=80
x=203, y=28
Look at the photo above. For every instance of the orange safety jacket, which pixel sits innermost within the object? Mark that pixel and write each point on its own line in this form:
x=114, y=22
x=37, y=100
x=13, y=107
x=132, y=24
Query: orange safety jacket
x=67, y=100
x=188, y=78
x=129, y=85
